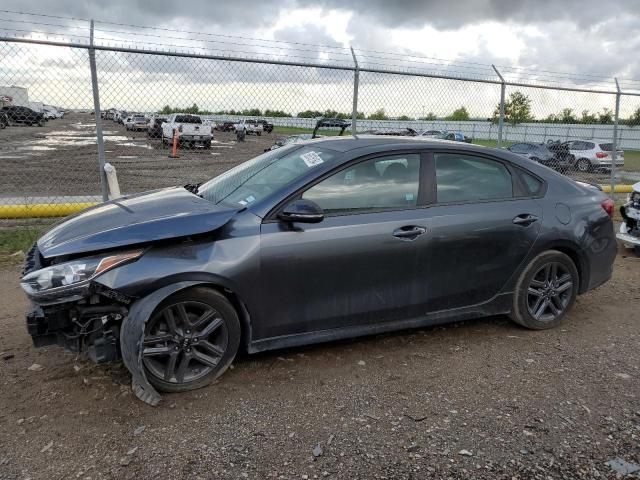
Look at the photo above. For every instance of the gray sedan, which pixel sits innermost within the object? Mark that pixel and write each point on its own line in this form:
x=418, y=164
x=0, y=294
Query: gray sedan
x=327, y=239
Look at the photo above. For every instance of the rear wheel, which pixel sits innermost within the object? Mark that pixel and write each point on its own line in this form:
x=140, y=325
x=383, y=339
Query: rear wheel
x=583, y=165
x=545, y=291
x=190, y=340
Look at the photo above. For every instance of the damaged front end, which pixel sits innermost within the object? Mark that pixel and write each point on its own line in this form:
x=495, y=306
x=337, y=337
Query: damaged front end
x=69, y=309
x=629, y=233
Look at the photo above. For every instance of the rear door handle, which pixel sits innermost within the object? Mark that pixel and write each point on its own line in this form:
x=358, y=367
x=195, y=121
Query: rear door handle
x=409, y=232
x=525, y=219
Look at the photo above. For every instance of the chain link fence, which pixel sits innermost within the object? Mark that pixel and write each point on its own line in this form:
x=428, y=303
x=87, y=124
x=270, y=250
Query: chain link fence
x=173, y=118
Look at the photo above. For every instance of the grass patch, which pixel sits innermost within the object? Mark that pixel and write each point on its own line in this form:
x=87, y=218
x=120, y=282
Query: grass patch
x=16, y=239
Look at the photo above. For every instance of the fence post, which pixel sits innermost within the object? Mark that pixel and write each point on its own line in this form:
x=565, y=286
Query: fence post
x=356, y=84
x=501, y=118
x=614, y=143
x=97, y=115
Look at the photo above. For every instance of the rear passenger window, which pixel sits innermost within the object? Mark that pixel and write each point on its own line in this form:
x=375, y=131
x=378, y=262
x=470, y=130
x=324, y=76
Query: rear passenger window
x=532, y=186
x=467, y=178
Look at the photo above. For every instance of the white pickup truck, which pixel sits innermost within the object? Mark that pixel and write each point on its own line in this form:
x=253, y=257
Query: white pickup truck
x=249, y=127
x=191, y=130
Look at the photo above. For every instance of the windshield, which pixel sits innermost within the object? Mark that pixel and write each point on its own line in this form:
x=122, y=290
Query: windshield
x=253, y=180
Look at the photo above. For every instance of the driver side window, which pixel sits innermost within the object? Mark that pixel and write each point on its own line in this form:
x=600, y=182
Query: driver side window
x=389, y=182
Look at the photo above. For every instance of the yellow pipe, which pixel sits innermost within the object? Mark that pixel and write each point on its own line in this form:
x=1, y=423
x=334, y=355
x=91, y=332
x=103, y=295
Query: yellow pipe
x=40, y=210
x=617, y=188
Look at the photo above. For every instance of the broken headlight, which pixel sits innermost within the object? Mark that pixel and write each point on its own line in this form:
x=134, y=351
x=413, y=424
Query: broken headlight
x=66, y=277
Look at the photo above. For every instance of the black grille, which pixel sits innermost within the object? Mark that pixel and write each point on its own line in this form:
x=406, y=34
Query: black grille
x=32, y=260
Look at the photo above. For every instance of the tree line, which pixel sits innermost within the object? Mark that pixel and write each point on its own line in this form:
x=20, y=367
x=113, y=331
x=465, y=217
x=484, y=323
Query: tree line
x=517, y=109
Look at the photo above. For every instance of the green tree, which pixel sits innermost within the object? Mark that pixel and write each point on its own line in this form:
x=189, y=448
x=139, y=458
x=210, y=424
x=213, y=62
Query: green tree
x=567, y=116
x=276, y=113
x=459, y=115
x=404, y=118
x=309, y=114
x=588, y=117
x=606, y=116
x=517, y=109
x=379, y=115
x=634, y=119
x=429, y=117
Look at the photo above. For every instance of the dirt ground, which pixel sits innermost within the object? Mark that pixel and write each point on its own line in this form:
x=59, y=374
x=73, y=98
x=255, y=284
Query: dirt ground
x=479, y=399
x=61, y=158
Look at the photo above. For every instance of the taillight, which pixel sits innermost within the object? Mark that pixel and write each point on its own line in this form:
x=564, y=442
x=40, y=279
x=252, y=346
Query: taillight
x=601, y=154
x=608, y=205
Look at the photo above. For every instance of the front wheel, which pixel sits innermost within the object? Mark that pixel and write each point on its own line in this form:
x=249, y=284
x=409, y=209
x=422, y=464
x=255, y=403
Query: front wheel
x=545, y=291
x=190, y=340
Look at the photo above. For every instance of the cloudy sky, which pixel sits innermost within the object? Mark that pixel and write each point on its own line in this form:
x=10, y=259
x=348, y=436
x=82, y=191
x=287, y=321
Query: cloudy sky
x=584, y=43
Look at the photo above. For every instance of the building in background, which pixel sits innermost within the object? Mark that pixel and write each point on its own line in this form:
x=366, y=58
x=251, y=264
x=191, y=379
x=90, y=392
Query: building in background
x=14, y=95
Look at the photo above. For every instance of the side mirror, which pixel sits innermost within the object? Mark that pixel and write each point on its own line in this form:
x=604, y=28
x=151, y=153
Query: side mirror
x=303, y=211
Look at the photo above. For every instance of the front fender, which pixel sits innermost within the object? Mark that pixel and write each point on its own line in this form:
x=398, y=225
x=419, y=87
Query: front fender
x=132, y=334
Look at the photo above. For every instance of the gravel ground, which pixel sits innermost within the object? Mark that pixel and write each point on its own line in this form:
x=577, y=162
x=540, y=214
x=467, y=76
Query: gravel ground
x=479, y=399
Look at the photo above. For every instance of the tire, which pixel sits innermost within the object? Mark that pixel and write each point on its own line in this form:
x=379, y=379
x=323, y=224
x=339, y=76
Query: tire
x=583, y=165
x=526, y=304
x=207, y=145
x=258, y=133
x=223, y=339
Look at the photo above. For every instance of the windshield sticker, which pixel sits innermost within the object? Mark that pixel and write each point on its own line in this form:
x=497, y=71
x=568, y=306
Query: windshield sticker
x=250, y=199
x=408, y=197
x=311, y=159
x=243, y=203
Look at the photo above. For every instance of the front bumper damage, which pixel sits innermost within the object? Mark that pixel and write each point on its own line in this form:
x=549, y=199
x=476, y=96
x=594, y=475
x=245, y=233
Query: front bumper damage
x=105, y=324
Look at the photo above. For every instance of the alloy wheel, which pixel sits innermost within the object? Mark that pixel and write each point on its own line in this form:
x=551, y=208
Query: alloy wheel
x=583, y=165
x=549, y=292
x=184, y=342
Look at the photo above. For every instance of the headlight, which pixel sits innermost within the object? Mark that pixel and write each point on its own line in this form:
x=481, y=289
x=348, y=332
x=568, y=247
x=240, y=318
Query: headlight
x=73, y=275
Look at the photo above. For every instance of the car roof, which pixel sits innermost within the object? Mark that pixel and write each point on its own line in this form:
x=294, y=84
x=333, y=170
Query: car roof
x=346, y=143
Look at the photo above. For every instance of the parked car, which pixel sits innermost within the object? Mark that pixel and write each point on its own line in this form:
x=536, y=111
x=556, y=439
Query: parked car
x=190, y=130
x=266, y=126
x=395, y=132
x=629, y=232
x=290, y=140
x=154, y=129
x=249, y=127
x=121, y=117
x=225, y=126
x=554, y=155
x=318, y=241
x=4, y=120
x=23, y=115
x=432, y=133
x=591, y=155
x=454, y=136
x=136, y=123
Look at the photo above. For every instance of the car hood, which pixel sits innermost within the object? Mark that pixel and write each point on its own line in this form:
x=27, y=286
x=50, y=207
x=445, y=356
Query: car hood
x=157, y=215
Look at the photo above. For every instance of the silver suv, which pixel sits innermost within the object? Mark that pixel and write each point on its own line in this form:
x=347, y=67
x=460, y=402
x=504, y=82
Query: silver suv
x=590, y=155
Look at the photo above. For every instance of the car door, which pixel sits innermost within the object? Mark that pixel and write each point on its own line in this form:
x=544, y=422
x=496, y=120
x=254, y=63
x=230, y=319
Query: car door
x=481, y=228
x=356, y=267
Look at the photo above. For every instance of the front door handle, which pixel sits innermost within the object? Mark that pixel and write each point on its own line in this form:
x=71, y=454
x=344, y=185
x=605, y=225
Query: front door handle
x=410, y=232
x=525, y=219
